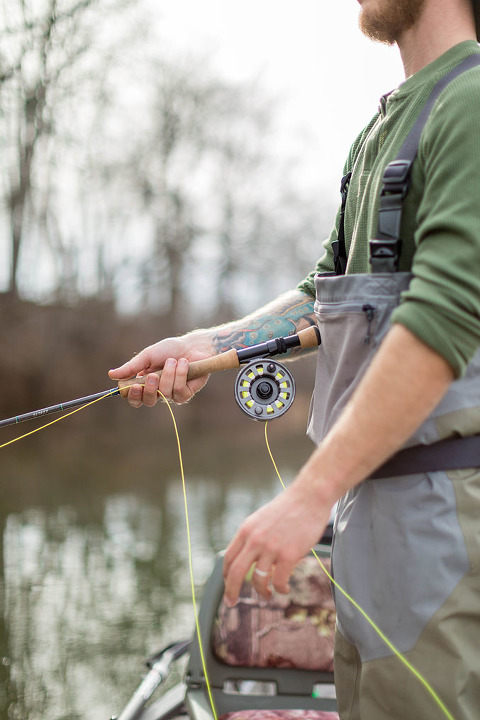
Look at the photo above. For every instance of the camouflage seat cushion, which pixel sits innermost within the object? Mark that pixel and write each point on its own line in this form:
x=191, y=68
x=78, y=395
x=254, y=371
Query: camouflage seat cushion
x=280, y=715
x=287, y=631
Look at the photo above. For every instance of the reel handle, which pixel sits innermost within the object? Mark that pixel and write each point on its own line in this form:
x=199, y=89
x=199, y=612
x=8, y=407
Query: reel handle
x=308, y=338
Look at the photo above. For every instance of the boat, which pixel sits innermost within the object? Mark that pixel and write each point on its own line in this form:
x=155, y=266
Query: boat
x=272, y=658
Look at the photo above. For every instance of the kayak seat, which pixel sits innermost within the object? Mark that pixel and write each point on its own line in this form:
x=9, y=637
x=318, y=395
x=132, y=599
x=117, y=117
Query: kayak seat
x=281, y=715
x=266, y=659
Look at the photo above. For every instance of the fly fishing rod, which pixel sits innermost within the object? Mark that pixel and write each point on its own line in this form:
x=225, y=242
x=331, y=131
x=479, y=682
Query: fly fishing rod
x=60, y=407
x=262, y=386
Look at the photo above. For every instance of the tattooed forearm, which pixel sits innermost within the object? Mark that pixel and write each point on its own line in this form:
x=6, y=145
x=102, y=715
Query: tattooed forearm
x=287, y=315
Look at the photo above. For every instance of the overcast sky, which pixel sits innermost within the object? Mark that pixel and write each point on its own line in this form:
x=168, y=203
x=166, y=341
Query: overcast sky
x=310, y=52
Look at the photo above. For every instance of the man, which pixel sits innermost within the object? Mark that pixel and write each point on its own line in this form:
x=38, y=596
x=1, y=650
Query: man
x=405, y=372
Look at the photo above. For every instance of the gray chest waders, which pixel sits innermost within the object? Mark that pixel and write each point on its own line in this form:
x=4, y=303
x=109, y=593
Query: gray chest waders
x=409, y=502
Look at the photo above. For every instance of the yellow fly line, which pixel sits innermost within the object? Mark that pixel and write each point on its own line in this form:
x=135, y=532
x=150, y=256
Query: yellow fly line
x=190, y=559
x=187, y=522
x=52, y=422
x=416, y=673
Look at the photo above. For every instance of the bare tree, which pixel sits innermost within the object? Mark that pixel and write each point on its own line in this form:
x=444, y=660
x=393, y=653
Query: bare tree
x=201, y=131
x=137, y=178
x=46, y=42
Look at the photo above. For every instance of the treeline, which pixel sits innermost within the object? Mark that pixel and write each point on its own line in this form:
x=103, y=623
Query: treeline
x=137, y=177
x=141, y=194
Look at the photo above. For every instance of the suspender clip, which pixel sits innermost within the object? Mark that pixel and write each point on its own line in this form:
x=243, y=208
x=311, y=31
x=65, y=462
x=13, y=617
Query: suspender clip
x=385, y=255
x=338, y=246
x=385, y=250
x=344, y=185
x=396, y=178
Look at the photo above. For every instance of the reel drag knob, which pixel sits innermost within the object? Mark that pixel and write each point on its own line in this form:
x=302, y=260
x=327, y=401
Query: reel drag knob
x=264, y=389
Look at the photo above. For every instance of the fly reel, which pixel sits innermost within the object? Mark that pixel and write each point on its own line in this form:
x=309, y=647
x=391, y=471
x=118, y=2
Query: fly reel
x=264, y=389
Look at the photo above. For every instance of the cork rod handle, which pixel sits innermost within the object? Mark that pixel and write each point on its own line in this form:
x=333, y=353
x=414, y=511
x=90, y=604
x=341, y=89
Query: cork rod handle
x=225, y=361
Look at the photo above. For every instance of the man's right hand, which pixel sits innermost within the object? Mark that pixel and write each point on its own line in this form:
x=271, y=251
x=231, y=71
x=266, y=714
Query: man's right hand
x=172, y=356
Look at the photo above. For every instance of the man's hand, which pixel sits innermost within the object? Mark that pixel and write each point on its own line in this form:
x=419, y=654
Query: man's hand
x=276, y=537
x=292, y=310
x=172, y=356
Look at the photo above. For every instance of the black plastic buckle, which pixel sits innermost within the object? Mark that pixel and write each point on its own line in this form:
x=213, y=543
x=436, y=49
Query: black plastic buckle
x=396, y=178
x=345, y=182
x=385, y=248
x=385, y=255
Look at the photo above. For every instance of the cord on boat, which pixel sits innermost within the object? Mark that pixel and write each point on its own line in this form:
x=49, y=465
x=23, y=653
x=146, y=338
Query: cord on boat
x=412, y=669
x=190, y=558
x=190, y=561
x=416, y=673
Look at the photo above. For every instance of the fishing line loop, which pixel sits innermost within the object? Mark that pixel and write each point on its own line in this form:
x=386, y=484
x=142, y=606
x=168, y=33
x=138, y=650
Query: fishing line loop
x=416, y=673
x=187, y=521
x=190, y=557
x=411, y=668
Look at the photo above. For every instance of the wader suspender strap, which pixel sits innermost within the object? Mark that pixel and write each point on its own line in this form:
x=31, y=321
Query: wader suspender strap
x=453, y=453
x=385, y=249
x=338, y=246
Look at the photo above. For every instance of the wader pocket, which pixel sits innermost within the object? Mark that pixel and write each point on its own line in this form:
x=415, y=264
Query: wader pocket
x=353, y=315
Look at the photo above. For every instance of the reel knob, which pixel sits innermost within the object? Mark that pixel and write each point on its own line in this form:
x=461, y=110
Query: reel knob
x=264, y=389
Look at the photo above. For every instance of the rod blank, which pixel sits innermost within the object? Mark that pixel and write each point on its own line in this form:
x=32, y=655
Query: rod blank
x=59, y=408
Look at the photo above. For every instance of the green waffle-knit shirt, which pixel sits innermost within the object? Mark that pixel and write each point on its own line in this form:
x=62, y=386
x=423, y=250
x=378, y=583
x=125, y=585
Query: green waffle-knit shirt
x=441, y=218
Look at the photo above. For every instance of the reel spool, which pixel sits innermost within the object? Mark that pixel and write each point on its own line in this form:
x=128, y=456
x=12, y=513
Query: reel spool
x=264, y=389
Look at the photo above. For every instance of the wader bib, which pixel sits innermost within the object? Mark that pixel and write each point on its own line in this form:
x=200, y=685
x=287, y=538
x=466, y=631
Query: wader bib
x=405, y=540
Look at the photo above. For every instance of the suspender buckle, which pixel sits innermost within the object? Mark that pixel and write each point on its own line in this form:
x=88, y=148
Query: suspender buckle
x=396, y=178
x=385, y=255
x=338, y=246
x=344, y=184
x=385, y=250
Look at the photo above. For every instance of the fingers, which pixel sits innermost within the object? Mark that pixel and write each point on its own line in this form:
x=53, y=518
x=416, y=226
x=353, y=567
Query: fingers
x=247, y=549
x=281, y=575
x=261, y=579
x=170, y=384
x=236, y=565
x=145, y=393
x=150, y=394
x=135, y=396
x=267, y=573
x=181, y=392
x=236, y=577
x=164, y=366
x=131, y=368
x=275, y=574
x=173, y=383
x=274, y=539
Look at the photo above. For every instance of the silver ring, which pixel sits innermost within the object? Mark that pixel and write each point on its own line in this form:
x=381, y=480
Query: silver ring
x=261, y=573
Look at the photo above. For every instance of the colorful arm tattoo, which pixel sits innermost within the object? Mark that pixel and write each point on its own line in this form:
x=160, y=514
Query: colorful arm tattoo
x=276, y=321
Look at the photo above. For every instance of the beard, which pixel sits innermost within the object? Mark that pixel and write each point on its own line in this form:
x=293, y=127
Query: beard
x=386, y=21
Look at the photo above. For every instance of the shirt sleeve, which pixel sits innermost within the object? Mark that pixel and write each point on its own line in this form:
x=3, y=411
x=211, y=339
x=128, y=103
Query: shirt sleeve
x=442, y=304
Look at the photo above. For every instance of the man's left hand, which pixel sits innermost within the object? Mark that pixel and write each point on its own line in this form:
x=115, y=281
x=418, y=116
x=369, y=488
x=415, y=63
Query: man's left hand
x=274, y=538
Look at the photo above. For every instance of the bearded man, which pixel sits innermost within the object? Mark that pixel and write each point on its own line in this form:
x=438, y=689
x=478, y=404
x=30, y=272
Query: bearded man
x=396, y=297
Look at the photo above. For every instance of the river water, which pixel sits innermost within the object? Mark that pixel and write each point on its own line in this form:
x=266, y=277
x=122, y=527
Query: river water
x=94, y=573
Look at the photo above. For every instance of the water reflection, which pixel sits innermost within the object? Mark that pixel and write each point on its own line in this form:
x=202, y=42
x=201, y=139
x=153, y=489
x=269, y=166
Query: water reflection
x=93, y=585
